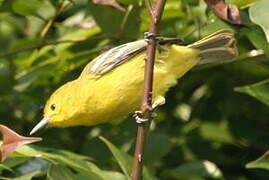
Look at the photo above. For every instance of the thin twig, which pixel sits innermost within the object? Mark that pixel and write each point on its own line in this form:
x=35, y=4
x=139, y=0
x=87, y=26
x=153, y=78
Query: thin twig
x=146, y=107
x=50, y=23
x=150, y=10
x=47, y=43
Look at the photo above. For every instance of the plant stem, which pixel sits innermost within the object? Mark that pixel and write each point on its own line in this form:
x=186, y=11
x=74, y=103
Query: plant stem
x=146, y=107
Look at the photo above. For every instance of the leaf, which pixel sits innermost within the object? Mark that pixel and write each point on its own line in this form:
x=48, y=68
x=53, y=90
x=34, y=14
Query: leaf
x=34, y=8
x=29, y=77
x=217, y=132
x=117, y=23
x=195, y=169
x=261, y=162
x=119, y=156
x=28, y=176
x=56, y=172
x=259, y=14
x=111, y=3
x=1, y=2
x=114, y=175
x=33, y=164
x=225, y=11
x=2, y=166
x=242, y=3
x=256, y=36
x=78, y=163
x=12, y=141
x=258, y=90
x=159, y=145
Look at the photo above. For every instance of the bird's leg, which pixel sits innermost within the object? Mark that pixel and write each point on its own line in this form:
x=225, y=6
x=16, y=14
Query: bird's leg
x=160, y=100
x=149, y=35
x=162, y=40
x=138, y=117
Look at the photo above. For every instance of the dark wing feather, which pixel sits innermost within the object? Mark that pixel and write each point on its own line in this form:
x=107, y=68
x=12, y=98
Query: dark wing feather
x=115, y=57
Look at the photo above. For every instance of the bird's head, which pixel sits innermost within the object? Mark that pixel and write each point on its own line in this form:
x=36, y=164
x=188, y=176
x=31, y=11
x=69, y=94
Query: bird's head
x=57, y=108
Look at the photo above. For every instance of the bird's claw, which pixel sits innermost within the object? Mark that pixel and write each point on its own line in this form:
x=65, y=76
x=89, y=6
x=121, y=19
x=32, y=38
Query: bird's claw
x=149, y=35
x=140, y=120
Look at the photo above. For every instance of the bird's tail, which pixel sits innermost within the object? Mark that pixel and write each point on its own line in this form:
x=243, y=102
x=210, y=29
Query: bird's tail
x=217, y=47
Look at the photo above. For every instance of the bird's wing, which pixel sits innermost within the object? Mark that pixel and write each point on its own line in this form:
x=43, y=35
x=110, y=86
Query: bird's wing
x=115, y=57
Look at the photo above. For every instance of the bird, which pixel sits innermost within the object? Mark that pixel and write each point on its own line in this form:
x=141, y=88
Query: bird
x=111, y=85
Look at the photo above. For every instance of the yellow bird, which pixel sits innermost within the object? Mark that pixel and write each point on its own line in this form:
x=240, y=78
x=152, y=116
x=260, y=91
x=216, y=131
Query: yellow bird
x=111, y=85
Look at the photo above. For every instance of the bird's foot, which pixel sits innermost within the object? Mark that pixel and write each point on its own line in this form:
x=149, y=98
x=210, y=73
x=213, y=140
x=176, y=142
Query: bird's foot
x=150, y=35
x=140, y=120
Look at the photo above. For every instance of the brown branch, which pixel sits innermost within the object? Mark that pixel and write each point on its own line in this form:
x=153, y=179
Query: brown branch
x=146, y=107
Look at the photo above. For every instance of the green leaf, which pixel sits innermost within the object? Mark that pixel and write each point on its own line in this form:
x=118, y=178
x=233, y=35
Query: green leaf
x=242, y=3
x=216, y=132
x=56, y=172
x=114, y=175
x=15, y=161
x=120, y=157
x=27, y=176
x=75, y=35
x=114, y=22
x=194, y=170
x=261, y=162
x=2, y=166
x=78, y=163
x=259, y=14
x=27, y=79
x=256, y=36
x=158, y=146
x=1, y=2
x=258, y=90
x=33, y=7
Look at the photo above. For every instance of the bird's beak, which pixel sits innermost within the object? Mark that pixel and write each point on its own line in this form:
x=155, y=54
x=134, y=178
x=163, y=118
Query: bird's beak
x=43, y=123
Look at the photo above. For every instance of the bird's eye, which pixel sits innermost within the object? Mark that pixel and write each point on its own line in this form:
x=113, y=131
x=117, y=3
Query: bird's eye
x=53, y=107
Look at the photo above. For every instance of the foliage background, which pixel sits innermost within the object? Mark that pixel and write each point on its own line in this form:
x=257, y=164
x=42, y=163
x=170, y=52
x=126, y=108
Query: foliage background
x=207, y=129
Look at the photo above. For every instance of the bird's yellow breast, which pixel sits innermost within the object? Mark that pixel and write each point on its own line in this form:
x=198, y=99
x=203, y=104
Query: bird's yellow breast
x=119, y=92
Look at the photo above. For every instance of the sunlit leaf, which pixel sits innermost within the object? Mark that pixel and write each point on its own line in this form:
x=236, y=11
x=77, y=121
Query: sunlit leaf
x=12, y=141
x=261, y=162
x=59, y=172
x=259, y=14
x=114, y=175
x=217, y=132
x=2, y=166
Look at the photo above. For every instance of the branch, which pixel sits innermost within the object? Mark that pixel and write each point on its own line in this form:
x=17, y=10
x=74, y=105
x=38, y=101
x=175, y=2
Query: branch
x=146, y=107
x=47, y=43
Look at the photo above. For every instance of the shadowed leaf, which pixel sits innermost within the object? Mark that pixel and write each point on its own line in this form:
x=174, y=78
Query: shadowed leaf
x=12, y=141
x=258, y=90
x=120, y=157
